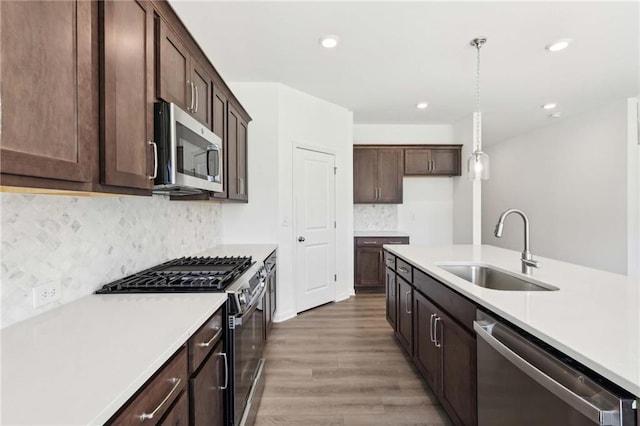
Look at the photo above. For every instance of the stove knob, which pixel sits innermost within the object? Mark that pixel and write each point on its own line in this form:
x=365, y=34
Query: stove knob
x=242, y=298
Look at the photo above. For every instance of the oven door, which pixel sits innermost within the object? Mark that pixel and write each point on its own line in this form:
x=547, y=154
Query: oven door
x=249, y=349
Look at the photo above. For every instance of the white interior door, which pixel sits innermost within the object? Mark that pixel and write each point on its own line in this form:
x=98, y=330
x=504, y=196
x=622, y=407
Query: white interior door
x=314, y=198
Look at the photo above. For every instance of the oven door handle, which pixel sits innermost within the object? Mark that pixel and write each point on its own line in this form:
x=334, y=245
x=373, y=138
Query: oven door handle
x=254, y=305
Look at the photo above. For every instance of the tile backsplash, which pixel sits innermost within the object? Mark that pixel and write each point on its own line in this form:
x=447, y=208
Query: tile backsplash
x=84, y=242
x=375, y=217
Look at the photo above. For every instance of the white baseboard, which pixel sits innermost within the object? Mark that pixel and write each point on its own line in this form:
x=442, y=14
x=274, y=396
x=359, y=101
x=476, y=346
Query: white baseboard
x=341, y=297
x=280, y=317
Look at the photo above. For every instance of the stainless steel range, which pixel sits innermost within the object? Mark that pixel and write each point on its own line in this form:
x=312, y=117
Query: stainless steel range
x=243, y=280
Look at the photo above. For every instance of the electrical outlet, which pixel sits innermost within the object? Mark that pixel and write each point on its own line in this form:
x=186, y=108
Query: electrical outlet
x=45, y=294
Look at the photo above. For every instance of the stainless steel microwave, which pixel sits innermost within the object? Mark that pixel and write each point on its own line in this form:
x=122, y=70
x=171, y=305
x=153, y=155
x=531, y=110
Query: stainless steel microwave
x=189, y=155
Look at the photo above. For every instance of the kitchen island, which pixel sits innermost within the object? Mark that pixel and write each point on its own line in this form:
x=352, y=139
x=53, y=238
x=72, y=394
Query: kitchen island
x=593, y=317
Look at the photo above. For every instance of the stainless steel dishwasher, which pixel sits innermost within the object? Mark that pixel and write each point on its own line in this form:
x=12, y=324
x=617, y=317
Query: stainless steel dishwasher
x=521, y=384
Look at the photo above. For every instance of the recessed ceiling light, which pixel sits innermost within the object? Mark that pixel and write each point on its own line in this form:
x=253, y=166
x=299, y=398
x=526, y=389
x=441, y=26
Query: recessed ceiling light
x=555, y=115
x=558, y=45
x=329, y=41
x=549, y=106
x=422, y=105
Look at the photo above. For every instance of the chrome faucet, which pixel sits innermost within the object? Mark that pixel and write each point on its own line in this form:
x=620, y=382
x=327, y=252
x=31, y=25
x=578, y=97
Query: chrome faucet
x=527, y=259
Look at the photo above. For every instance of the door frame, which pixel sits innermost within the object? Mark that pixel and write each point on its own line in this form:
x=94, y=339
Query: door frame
x=294, y=213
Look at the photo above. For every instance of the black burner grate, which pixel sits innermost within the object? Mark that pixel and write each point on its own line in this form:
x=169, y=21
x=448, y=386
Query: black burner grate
x=183, y=275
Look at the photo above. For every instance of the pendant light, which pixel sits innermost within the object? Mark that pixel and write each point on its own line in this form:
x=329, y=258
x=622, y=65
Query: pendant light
x=478, y=162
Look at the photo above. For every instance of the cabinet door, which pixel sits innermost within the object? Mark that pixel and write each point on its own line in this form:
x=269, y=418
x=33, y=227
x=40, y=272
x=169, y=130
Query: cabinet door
x=49, y=89
x=390, y=176
x=174, y=73
x=405, y=315
x=207, y=404
x=237, y=151
x=127, y=88
x=417, y=162
x=391, y=298
x=369, y=268
x=219, y=127
x=202, y=94
x=446, y=161
x=458, y=375
x=274, y=281
x=178, y=414
x=365, y=175
x=266, y=309
x=426, y=354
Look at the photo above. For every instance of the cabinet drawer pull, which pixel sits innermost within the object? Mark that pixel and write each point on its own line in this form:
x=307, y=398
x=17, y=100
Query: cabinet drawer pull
x=395, y=242
x=176, y=383
x=435, y=332
x=226, y=371
x=215, y=337
x=403, y=269
x=431, y=328
x=407, y=302
x=369, y=242
x=155, y=160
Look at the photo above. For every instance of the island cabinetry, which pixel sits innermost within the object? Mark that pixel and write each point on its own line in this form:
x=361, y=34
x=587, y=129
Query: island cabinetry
x=434, y=324
x=156, y=398
x=391, y=298
x=370, y=263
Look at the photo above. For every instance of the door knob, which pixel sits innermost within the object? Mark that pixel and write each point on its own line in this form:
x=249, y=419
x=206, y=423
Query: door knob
x=301, y=239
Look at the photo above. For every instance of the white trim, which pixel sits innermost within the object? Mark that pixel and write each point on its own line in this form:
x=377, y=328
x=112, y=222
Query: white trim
x=342, y=297
x=315, y=148
x=284, y=316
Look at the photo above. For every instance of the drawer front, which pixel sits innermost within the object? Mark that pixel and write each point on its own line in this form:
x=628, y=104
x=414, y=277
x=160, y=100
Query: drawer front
x=457, y=306
x=157, y=396
x=204, y=340
x=404, y=270
x=368, y=242
x=394, y=240
x=390, y=260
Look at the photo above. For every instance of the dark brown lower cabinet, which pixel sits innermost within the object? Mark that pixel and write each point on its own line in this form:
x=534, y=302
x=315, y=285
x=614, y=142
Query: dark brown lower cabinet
x=207, y=390
x=392, y=299
x=178, y=414
x=426, y=355
x=404, y=314
x=370, y=264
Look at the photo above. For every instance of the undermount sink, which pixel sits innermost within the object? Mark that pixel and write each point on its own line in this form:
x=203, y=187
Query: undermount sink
x=488, y=277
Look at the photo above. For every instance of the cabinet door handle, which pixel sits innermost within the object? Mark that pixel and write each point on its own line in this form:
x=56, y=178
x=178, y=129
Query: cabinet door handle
x=431, y=328
x=144, y=416
x=395, y=242
x=433, y=166
x=407, y=302
x=428, y=166
x=226, y=371
x=435, y=332
x=215, y=337
x=155, y=160
x=369, y=242
x=403, y=270
x=392, y=286
x=195, y=89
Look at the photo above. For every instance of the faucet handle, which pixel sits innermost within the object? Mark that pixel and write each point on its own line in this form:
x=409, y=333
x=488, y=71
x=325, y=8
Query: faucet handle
x=532, y=263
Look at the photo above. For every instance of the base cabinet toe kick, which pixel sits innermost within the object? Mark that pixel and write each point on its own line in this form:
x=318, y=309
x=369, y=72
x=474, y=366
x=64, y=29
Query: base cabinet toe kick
x=486, y=372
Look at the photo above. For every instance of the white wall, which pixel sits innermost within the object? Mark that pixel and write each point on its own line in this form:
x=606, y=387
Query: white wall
x=427, y=208
x=633, y=188
x=283, y=118
x=570, y=178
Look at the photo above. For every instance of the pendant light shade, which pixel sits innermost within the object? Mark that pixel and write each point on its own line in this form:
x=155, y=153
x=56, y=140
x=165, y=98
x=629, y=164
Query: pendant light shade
x=478, y=166
x=478, y=161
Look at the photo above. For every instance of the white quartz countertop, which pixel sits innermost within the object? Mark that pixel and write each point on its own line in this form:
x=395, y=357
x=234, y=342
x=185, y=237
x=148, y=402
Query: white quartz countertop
x=594, y=317
x=79, y=363
x=379, y=234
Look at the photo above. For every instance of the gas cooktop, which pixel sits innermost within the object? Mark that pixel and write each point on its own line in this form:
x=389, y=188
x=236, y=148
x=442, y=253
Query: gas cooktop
x=183, y=275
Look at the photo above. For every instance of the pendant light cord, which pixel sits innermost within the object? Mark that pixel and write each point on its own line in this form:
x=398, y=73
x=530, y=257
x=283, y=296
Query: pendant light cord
x=478, y=45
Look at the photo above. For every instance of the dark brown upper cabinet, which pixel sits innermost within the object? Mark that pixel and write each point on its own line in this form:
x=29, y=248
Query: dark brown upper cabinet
x=181, y=78
x=432, y=160
x=49, y=89
x=377, y=175
x=127, y=93
x=237, y=155
x=219, y=122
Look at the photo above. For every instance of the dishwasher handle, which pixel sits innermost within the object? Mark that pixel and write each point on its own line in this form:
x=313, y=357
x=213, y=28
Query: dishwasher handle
x=595, y=414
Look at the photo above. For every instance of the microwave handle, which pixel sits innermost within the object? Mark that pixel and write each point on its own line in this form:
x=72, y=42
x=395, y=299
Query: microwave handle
x=210, y=148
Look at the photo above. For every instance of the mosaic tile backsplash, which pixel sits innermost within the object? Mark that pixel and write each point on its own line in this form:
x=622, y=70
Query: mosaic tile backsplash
x=84, y=242
x=375, y=217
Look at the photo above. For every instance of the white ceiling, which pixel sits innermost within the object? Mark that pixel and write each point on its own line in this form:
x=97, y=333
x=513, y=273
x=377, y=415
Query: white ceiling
x=394, y=54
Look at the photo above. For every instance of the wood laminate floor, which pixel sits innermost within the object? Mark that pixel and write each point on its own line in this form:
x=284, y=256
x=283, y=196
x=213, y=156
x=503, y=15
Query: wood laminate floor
x=340, y=365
